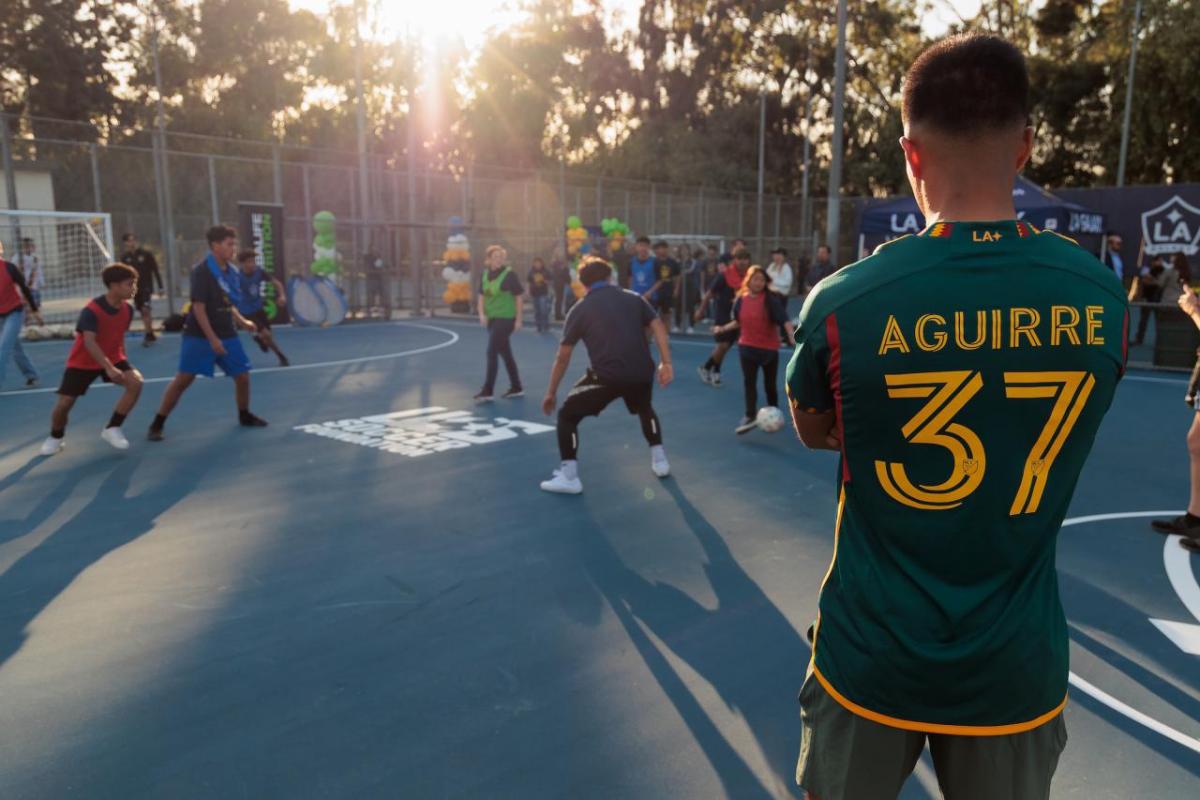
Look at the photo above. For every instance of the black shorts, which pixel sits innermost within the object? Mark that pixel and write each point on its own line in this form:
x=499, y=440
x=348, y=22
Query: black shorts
x=590, y=395
x=75, y=381
x=141, y=300
x=260, y=319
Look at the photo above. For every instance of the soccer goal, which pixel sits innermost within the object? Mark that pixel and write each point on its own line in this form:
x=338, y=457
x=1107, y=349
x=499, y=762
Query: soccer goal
x=62, y=254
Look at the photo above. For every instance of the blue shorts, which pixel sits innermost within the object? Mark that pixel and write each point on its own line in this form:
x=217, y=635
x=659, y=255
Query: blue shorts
x=196, y=357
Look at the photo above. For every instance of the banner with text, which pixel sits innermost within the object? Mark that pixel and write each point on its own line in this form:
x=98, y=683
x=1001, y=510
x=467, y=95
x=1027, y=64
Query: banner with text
x=260, y=228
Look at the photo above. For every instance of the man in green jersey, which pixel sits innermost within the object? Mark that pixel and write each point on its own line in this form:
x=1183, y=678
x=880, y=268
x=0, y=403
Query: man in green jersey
x=962, y=373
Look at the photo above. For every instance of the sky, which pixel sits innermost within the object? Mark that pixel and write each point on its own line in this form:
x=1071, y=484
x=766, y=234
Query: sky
x=433, y=19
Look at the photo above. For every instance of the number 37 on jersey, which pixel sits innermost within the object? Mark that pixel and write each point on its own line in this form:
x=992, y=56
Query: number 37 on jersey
x=945, y=395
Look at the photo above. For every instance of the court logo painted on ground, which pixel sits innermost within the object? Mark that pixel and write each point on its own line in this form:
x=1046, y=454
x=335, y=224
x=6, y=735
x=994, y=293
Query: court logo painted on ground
x=424, y=431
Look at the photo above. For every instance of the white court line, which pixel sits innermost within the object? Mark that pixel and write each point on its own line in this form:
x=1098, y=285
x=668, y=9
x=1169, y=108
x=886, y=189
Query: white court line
x=1190, y=742
x=454, y=337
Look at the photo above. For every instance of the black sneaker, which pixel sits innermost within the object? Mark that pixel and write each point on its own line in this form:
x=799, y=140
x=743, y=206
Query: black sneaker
x=250, y=421
x=746, y=425
x=1179, y=525
x=283, y=362
x=31, y=383
x=511, y=393
x=155, y=434
x=483, y=397
x=1190, y=544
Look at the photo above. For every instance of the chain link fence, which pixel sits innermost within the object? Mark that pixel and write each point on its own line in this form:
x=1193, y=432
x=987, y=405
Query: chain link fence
x=170, y=202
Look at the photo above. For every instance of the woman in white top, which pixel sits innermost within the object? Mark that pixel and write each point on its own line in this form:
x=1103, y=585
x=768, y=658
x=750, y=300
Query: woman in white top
x=780, y=272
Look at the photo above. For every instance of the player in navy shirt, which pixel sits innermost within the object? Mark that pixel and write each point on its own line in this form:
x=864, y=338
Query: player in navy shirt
x=251, y=302
x=642, y=274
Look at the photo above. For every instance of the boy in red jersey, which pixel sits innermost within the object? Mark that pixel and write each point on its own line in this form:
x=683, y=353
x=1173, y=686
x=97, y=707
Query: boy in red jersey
x=99, y=352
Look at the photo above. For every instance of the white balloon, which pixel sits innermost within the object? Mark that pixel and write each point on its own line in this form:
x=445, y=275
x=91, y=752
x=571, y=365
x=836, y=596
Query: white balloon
x=448, y=274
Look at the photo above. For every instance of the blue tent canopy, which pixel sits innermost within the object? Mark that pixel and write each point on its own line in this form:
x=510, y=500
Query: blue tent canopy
x=899, y=215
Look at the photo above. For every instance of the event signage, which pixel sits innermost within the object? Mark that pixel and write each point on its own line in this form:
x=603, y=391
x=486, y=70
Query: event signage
x=1173, y=227
x=260, y=227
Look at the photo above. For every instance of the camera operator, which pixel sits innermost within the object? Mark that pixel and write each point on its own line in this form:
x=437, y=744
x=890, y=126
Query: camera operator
x=1188, y=525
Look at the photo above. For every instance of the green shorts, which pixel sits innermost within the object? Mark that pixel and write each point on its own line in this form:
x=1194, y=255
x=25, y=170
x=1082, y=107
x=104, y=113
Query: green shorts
x=846, y=757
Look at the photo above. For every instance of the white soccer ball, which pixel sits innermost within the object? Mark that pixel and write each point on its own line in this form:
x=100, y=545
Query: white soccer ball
x=769, y=419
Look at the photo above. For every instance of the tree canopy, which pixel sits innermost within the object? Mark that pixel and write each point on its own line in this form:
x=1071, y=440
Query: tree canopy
x=672, y=97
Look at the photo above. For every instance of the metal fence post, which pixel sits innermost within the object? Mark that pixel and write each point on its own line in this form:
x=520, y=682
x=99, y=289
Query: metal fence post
x=212, y=191
x=653, y=207
x=95, y=159
x=172, y=249
x=10, y=180
x=277, y=174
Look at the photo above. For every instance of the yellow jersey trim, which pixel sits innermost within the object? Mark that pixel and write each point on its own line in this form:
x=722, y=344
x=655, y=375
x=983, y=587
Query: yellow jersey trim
x=934, y=727
x=1061, y=236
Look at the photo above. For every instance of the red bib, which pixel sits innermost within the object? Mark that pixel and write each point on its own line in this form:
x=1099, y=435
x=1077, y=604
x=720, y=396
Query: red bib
x=755, y=320
x=10, y=295
x=110, y=335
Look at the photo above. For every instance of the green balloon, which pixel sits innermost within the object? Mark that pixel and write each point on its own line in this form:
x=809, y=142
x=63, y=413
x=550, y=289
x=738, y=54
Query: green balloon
x=574, y=222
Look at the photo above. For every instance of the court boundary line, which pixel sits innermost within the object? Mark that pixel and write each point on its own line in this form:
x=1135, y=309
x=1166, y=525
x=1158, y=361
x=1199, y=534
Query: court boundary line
x=453, y=340
x=1103, y=697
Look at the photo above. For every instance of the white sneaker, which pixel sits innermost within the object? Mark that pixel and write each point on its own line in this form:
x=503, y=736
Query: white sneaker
x=115, y=437
x=689, y=330
x=51, y=446
x=674, y=329
x=659, y=464
x=714, y=379
x=561, y=484
x=705, y=377
x=746, y=425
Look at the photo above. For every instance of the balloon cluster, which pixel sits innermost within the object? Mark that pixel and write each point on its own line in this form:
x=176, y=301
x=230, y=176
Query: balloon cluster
x=326, y=259
x=457, y=271
x=577, y=248
x=616, y=231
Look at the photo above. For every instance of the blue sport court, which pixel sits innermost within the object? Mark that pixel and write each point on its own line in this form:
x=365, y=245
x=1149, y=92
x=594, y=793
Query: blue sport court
x=371, y=598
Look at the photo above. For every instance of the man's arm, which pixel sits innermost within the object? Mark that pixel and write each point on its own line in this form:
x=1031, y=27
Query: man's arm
x=520, y=310
x=156, y=279
x=666, y=373
x=1190, y=305
x=562, y=360
x=479, y=304
x=245, y=323
x=280, y=291
x=817, y=431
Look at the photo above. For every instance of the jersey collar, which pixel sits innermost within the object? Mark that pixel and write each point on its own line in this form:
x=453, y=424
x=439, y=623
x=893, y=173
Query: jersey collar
x=980, y=231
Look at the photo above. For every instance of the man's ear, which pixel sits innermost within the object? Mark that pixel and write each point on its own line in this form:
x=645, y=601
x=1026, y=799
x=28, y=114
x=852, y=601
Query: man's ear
x=911, y=156
x=1026, y=148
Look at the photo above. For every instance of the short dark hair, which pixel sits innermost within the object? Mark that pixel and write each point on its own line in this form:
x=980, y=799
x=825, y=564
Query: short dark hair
x=967, y=84
x=825, y=247
x=712, y=248
x=219, y=233
x=660, y=243
x=246, y=255
x=643, y=239
x=127, y=235
x=741, y=252
x=26, y=240
x=117, y=273
x=592, y=269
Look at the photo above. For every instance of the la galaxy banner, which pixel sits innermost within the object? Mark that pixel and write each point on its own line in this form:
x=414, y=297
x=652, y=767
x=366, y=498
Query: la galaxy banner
x=260, y=226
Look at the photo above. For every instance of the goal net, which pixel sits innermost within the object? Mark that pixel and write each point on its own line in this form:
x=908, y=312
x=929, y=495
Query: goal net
x=62, y=254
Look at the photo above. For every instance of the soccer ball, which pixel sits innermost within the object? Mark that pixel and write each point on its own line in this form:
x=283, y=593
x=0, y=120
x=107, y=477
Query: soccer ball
x=769, y=419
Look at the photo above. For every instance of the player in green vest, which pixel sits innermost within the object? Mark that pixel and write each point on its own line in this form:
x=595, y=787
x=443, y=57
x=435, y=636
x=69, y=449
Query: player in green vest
x=962, y=373
x=500, y=308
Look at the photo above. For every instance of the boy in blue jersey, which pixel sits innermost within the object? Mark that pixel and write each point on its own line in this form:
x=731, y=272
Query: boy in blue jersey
x=642, y=272
x=250, y=305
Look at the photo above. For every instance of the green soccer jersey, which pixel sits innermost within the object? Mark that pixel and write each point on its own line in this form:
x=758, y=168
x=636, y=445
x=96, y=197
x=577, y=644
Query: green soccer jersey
x=969, y=368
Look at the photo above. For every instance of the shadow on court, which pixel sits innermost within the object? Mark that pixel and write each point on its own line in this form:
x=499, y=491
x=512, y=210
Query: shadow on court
x=745, y=648
x=37, y=578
